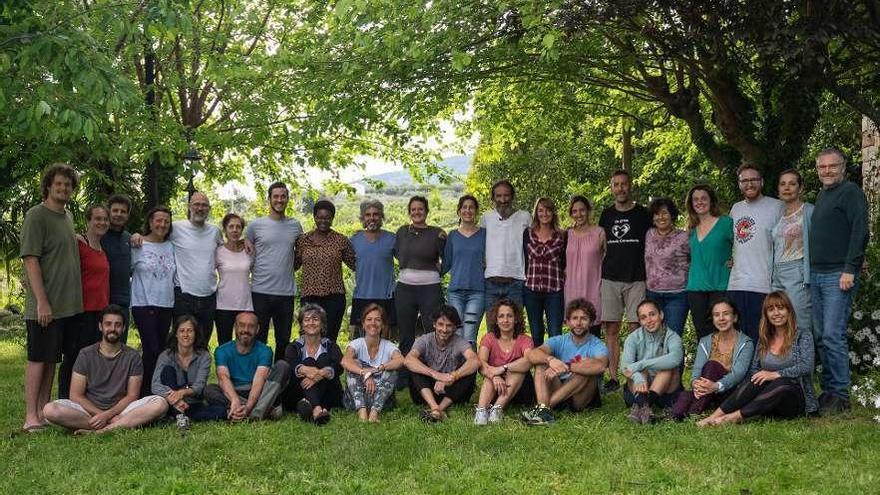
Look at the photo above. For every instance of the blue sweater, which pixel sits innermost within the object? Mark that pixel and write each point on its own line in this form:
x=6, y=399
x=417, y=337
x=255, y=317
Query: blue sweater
x=742, y=359
x=464, y=257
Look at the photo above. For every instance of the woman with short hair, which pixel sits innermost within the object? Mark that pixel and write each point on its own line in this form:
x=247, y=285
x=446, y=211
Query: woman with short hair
x=234, y=286
x=667, y=261
x=372, y=363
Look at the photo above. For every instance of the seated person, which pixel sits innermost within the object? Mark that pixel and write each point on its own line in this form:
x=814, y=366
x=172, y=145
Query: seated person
x=503, y=362
x=443, y=366
x=105, y=385
x=372, y=363
x=651, y=358
x=315, y=361
x=182, y=372
x=568, y=367
x=780, y=383
x=722, y=361
x=249, y=386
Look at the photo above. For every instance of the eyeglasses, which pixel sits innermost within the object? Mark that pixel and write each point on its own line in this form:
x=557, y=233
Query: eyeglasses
x=751, y=180
x=829, y=166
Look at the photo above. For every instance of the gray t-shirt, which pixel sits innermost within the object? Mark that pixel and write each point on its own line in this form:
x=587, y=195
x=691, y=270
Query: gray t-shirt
x=194, y=249
x=443, y=360
x=273, y=255
x=386, y=350
x=107, y=378
x=152, y=275
x=753, y=222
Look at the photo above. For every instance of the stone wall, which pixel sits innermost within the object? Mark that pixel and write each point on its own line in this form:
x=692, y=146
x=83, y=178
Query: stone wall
x=871, y=170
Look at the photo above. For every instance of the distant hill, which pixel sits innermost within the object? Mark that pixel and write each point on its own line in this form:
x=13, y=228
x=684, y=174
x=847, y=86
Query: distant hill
x=458, y=165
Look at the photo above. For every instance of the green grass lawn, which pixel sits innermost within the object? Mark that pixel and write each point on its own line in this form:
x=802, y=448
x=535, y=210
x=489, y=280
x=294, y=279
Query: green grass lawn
x=595, y=452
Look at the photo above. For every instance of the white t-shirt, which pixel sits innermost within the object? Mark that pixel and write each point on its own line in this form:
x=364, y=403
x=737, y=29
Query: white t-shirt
x=234, y=288
x=753, y=223
x=273, y=255
x=386, y=350
x=152, y=275
x=504, y=241
x=194, y=249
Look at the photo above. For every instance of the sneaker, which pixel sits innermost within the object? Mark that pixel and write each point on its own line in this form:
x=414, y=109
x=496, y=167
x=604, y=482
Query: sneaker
x=182, y=421
x=276, y=412
x=834, y=405
x=541, y=415
x=304, y=408
x=481, y=417
x=496, y=414
x=528, y=416
x=635, y=414
x=611, y=386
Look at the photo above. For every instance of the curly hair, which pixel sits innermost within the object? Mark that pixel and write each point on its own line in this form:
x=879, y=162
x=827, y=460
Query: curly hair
x=519, y=324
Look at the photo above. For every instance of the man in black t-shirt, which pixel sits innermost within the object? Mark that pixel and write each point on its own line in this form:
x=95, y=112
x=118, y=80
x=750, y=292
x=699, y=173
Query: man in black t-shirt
x=623, y=269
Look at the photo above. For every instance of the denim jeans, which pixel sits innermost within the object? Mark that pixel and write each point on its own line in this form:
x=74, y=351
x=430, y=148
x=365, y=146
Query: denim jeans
x=537, y=305
x=831, y=311
x=470, y=305
x=789, y=277
x=674, y=306
x=513, y=290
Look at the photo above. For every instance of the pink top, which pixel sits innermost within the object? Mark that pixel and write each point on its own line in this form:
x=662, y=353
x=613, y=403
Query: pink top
x=583, y=267
x=497, y=356
x=234, y=288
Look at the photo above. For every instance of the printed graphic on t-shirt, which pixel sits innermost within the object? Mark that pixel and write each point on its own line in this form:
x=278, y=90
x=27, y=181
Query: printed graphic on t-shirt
x=619, y=230
x=744, y=229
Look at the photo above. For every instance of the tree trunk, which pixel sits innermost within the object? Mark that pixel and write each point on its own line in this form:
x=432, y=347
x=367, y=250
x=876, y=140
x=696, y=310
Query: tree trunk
x=627, y=154
x=871, y=171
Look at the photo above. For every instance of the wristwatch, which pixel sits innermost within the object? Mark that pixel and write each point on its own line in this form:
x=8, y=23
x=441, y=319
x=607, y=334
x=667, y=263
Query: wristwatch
x=505, y=369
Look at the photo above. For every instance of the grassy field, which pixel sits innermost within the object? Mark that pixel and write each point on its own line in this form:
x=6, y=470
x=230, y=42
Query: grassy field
x=596, y=452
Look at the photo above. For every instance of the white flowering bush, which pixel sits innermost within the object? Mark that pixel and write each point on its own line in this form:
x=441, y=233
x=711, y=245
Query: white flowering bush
x=864, y=337
x=866, y=392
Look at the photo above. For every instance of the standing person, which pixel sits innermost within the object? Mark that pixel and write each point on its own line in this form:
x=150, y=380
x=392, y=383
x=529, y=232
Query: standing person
x=838, y=237
x=722, y=361
x=116, y=244
x=504, y=363
x=791, y=247
x=753, y=219
x=623, y=269
x=234, y=269
x=95, y=271
x=273, y=238
x=152, y=288
x=418, y=293
x=568, y=367
x=711, y=242
x=104, y=389
x=544, y=254
x=374, y=276
x=195, y=247
x=463, y=258
x=651, y=359
x=320, y=254
x=505, y=262
x=372, y=363
x=584, y=251
x=53, y=290
x=780, y=383
x=316, y=364
x=443, y=367
x=667, y=260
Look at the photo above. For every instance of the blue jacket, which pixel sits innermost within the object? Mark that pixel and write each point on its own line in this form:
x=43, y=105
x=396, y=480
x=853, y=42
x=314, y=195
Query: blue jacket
x=742, y=359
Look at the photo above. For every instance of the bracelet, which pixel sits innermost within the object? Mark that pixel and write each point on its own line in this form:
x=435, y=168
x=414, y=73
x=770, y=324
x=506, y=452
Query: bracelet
x=454, y=375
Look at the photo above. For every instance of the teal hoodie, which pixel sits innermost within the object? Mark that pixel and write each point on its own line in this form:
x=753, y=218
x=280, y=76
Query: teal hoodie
x=742, y=359
x=649, y=352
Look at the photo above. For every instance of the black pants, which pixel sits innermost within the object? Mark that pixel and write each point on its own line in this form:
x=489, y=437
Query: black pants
x=357, y=308
x=84, y=332
x=203, y=308
x=780, y=398
x=459, y=392
x=415, y=304
x=198, y=411
x=153, y=324
x=325, y=393
x=334, y=306
x=701, y=310
x=225, y=321
x=278, y=310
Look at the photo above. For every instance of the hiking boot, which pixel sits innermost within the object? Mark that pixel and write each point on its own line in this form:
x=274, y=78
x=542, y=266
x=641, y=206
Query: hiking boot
x=276, y=412
x=481, y=417
x=611, y=386
x=496, y=414
x=304, y=409
x=834, y=405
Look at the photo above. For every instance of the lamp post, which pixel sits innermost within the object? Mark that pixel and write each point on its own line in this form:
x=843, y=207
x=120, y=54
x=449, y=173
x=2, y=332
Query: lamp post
x=190, y=159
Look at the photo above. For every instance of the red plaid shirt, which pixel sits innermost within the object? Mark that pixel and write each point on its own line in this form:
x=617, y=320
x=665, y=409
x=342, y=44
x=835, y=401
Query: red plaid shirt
x=544, y=262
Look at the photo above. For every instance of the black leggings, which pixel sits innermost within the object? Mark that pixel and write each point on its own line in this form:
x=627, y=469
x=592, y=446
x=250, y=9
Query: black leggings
x=780, y=398
x=415, y=303
x=224, y=319
x=460, y=391
x=700, y=303
x=326, y=393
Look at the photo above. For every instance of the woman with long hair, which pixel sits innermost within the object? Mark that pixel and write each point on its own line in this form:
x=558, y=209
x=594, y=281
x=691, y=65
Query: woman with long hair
x=544, y=255
x=780, y=383
x=584, y=251
x=464, y=259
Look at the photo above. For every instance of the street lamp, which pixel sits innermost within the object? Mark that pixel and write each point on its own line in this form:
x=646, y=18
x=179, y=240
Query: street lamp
x=190, y=159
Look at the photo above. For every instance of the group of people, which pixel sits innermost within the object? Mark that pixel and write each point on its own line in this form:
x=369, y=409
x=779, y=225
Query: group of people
x=765, y=286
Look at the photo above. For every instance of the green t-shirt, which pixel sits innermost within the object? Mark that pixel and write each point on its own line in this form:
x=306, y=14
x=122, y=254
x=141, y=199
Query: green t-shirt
x=50, y=237
x=709, y=257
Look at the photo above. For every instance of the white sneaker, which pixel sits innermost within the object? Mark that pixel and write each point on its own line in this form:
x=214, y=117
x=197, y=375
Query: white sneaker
x=496, y=414
x=481, y=417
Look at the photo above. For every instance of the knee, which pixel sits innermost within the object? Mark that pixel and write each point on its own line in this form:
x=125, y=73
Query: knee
x=51, y=411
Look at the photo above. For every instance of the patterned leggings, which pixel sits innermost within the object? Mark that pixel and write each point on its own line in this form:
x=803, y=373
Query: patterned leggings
x=356, y=396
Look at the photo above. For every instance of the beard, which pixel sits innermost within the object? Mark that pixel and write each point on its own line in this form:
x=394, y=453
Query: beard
x=111, y=337
x=372, y=226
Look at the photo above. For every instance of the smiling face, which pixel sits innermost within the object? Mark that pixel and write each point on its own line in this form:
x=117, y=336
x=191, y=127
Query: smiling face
x=579, y=213
x=119, y=215
x=160, y=222
x=233, y=229
x=750, y=183
x=578, y=322
x=502, y=196
x=311, y=323
x=777, y=315
x=199, y=207
x=663, y=220
x=444, y=328
x=789, y=188
x=650, y=317
x=278, y=200
x=111, y=326
x=544, y=215
x=186, y=335
x=372, y=219
x=418, y=214
x=621, y=188
x=723, y=317
x=323, y=220
x=701, y=202
x=61, y=189
x=246, y=326
x=505, y=319
x=99, y=221
x=468, y=211
x=372, y=323
x=831, y=169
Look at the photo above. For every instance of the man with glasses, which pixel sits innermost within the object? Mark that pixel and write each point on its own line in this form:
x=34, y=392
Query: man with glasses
x=838, y=238
x=753, y=218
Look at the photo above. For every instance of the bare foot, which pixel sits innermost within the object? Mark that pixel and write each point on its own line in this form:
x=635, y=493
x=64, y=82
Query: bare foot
x=84, y=432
